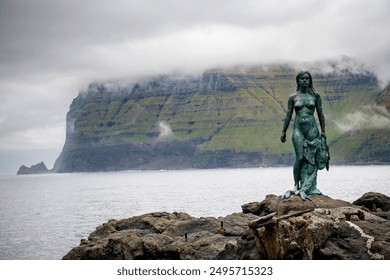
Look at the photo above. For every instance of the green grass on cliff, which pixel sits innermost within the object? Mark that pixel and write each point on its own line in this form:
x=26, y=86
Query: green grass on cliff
x=246, y=117
x=362, y=146
x=245, y=138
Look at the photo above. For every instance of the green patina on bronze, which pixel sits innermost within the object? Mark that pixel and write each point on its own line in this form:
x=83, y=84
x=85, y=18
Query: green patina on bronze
x=311, y=150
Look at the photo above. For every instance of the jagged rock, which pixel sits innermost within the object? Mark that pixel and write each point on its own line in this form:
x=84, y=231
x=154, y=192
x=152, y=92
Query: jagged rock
x=252, y=207
x=323, y=228
x=384, y=215
x=38, y=168
x=165, y=236
x=331, y=229
x=374, y=201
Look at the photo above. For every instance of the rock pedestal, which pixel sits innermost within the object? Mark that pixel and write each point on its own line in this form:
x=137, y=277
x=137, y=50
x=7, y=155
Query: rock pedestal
x=276, y=228
x=323, y=228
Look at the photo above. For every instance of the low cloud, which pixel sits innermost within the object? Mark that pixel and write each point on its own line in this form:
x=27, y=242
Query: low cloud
x=367, y=117
x=50, y=137
x=51, y=49
x=165, y=131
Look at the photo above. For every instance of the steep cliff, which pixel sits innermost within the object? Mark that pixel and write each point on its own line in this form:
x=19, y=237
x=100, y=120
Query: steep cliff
x=384, y=97
x=223, y=118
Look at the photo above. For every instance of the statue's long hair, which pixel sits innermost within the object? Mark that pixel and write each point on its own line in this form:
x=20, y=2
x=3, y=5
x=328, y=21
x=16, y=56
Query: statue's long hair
x=311, y=87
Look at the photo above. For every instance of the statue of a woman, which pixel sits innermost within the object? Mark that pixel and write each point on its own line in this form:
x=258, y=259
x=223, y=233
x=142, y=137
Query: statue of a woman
x=310, y=146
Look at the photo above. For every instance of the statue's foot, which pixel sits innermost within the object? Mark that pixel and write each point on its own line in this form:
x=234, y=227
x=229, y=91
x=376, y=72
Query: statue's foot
x=287, y=194
x=303, y=195
x=316, y=191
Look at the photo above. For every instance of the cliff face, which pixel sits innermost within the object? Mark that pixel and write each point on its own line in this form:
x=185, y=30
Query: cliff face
x=384, y=97
x=223, y=118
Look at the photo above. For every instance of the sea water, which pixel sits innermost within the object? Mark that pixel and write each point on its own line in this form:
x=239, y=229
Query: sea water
x=44, y=216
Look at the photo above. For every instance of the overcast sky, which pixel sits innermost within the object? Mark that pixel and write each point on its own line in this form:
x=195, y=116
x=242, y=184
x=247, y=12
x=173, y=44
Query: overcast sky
x=50, y=49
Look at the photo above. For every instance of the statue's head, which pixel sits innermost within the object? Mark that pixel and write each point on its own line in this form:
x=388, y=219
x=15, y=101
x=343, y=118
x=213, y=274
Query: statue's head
x=301, y=74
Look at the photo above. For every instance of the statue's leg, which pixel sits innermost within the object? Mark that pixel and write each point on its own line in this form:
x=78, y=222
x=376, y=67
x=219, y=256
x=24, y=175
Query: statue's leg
x=310, y=184
x=297, y=139
x=313, y=133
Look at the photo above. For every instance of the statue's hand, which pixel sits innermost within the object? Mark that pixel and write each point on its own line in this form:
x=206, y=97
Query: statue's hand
x=283, y=137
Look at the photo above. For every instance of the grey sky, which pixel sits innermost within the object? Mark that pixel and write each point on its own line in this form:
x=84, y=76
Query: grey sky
x=50, y=49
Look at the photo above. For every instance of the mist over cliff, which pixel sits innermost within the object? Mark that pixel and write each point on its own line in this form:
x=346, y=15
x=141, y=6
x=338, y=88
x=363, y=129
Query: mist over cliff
x=229, y=117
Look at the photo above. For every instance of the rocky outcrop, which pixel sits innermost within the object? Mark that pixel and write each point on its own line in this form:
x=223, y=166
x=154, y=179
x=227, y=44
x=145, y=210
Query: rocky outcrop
x=38, y=168
x=165, y=236
x=276, y=228
x=378, y=203
x=319, y=229
x=374, y=201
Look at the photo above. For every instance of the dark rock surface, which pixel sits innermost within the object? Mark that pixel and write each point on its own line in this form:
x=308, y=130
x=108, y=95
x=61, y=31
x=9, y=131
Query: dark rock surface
x=273, y=203
x=275, y=228
x=374, y=202
x=377, y=203
x=165, y=236
x=38, y=168
x=330, y=229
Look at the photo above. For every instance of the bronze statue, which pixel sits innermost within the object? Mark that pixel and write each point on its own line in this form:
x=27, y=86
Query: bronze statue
x=311, y=150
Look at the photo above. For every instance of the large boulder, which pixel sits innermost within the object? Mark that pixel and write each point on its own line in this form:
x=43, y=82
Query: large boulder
x=374, y=202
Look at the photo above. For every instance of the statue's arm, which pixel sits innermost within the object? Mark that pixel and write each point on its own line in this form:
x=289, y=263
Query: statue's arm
x=287, y=119
x=320, y=114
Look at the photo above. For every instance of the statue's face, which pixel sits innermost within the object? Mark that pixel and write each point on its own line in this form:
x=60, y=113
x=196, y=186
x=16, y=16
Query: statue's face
x=304, y=80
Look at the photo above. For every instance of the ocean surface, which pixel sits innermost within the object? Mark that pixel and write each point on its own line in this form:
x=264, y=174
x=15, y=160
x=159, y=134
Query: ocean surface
x=44, y=216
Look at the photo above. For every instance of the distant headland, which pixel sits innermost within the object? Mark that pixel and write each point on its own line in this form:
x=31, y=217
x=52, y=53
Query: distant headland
x=223, y=118
x=38, y=168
